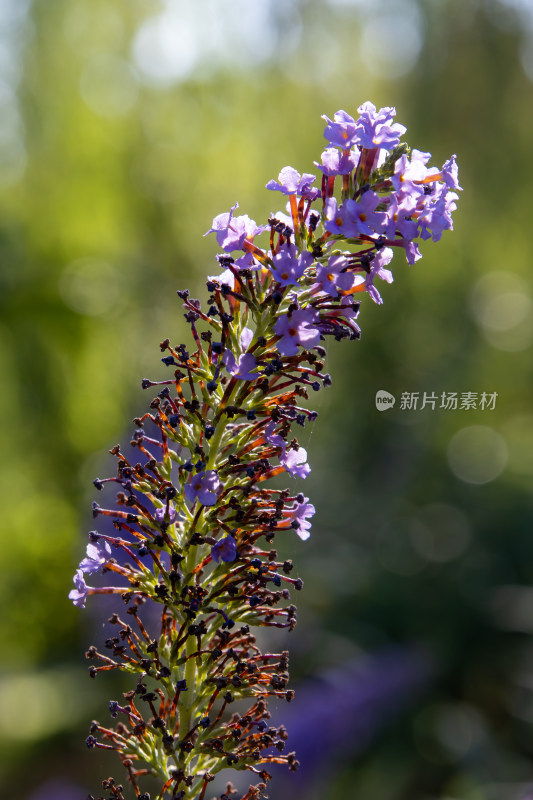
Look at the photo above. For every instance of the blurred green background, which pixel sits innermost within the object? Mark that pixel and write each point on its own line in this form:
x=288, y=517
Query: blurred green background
x=125, y=127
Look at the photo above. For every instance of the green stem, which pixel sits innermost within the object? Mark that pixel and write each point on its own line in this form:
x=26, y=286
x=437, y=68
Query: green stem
x=215, y=441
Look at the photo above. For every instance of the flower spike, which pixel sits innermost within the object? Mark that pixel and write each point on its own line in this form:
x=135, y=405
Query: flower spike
x=188, y=542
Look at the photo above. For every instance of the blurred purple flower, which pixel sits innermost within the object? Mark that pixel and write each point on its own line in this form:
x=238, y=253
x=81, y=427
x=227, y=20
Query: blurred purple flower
x=335, y=715
x=57, y=790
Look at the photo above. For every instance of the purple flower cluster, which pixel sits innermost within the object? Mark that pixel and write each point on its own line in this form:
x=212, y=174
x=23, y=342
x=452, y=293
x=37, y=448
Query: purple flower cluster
x=389, y=198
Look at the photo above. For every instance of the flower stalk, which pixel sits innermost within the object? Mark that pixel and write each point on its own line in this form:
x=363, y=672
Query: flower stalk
x=189, y=538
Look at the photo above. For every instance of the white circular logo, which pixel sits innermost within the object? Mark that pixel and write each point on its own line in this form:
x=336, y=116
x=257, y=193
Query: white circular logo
x=384, y=400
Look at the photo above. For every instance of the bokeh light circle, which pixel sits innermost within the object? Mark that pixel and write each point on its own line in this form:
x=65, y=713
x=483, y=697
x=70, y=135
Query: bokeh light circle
x=477, y=454
x=501, y=304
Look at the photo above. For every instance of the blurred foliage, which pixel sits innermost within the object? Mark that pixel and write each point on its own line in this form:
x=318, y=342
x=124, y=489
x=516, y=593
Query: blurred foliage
x=109, y=178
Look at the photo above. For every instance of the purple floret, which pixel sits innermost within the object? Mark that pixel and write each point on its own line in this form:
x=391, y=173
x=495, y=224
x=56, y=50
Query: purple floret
x=160, y=515
x=376, y=129
x=224, y=550
x=298, y=328
x=409, y=173
x=398, y=217
x=78, y=595
x=288, y=267
x=241, y=368
x=331, y=277
x=291, y=182
x=364, y=215
x=340, y=219
x=98, y=554
x=204, y=487
x=295, y=462
x=274, y=438
x=353, y=218
x=437, y=216
x=299, y=515
x=336, y=162
x=221, y=224
x=341, y=130
x=450, y=174
x=377, y=270
x=232, y=231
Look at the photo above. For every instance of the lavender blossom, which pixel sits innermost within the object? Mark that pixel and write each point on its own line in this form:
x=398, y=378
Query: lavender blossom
x=333, y=277
x=167, y=515
x=376, y=129
x=196, y=518
x=291, y=182
x=224, y=550
x=242, y=367
x=299, y=515
x=203, y=487
x=78, y=595
x=98, y=553
x=342, y=130
x=232, y=231
x=337, y=162
x=288, y=266
x=295, y=462
x=295, y=329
